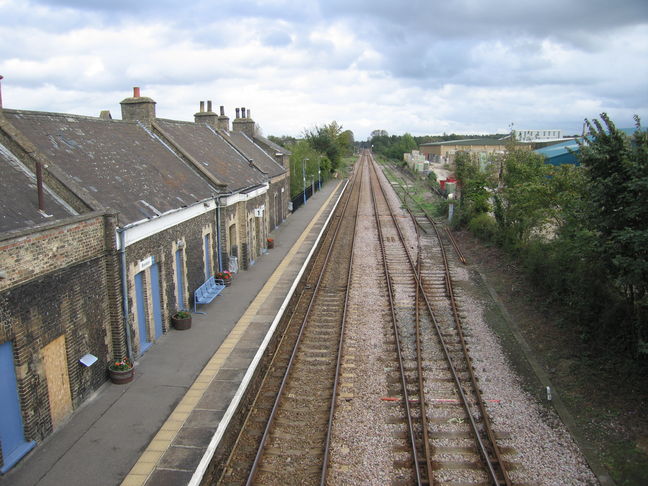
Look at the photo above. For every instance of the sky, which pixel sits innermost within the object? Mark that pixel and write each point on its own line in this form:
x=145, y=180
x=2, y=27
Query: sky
x=422, y=67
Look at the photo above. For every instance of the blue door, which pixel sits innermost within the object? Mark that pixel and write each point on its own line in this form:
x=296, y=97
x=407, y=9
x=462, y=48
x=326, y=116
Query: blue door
x=207, y=257
x=155, y=295
x=12, y=436
x=145, y=343
x=180, y=279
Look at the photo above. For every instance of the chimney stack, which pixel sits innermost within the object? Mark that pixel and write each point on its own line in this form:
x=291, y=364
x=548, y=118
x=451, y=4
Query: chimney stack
x=208, y=117
x=223, y=121
x=244, y=124
x=138, y=108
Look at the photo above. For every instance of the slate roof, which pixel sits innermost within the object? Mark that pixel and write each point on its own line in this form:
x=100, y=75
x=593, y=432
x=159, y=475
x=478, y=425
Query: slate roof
x=252, y=151
x=209, y=148
x=119, y=163
x=271, y=145
x=19, y=197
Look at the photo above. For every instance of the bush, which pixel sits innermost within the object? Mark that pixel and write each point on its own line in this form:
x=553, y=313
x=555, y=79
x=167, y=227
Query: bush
x=483, y=226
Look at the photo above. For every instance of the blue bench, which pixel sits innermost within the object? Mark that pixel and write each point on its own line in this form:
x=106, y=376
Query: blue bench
x=207, y=292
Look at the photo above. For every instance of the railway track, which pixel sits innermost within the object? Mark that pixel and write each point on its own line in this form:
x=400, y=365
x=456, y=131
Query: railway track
x=479, y=459
x=284, y=437
x=376, y=333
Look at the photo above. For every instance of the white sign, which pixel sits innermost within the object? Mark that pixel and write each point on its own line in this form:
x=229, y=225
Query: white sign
x=144, y=264
x=258, y=212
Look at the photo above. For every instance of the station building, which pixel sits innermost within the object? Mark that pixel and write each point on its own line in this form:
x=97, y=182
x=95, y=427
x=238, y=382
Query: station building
x=106, y=229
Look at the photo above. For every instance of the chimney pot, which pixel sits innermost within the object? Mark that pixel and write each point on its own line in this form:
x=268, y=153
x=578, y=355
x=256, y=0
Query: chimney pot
x=136, y=92
x=209, y=106
x=243, y=112
x=202, y=106
x=249, y=113
x=1, y=78
x=222, y=109
x=238, y=113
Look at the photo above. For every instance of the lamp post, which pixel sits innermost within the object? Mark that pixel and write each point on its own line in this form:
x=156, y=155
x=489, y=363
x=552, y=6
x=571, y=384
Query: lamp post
x=319, y=174
x=304, y=177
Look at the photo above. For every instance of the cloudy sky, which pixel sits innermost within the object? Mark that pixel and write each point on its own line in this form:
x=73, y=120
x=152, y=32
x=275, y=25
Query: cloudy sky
x=417, y=66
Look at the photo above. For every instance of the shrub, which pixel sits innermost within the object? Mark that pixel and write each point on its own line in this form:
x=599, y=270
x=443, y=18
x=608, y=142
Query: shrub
x=483, y=226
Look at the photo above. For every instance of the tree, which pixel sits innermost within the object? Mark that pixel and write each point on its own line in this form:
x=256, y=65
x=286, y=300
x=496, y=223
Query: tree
x=474, y=195
x=617, y=166
x=346, y=142
x=522, y=202
x=304, y=161
x=327, y=140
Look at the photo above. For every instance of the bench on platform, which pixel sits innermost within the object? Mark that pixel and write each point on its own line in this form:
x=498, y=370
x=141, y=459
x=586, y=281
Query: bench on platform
x=207, y=292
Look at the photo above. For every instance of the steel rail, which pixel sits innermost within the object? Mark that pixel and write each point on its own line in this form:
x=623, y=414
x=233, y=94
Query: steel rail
x=275, y=407
x=338, y=363
x=390, y=292
x=453, y=241
x=481, y=446
x=480, y=402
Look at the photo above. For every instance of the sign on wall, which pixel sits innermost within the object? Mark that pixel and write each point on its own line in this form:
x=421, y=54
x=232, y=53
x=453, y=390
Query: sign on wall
x=146, y=263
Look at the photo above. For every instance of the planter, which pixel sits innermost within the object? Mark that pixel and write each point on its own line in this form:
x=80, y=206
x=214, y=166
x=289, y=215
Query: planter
x=227, y=282
x=119, y=377
x=181, y=323
x=270, y=244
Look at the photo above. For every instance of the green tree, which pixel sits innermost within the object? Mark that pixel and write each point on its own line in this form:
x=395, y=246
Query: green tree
x=474, y=195
x=304, y=161
x=327, y=140
x=617, y=166
x=522, y=200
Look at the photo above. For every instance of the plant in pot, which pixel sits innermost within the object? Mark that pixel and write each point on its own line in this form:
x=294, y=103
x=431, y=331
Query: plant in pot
x=181, y=320
x=270, y=243
x=121, y=372
x=225, y=276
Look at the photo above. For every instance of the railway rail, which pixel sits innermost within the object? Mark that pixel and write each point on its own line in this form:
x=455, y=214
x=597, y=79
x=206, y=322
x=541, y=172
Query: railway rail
x=439, y=430
x=284, y=438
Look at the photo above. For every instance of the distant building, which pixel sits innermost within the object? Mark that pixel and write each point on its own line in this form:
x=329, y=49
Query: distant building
x=445, y=152
x=536, y=135
x=560, y=153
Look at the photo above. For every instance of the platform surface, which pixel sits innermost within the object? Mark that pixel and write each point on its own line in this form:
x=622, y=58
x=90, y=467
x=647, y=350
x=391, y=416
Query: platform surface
x=155, y=430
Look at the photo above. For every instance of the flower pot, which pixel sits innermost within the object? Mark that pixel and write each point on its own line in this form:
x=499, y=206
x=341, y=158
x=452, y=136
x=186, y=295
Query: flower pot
x=227, y=282
x=181, y=323
x=121, y=377
x=270, y=244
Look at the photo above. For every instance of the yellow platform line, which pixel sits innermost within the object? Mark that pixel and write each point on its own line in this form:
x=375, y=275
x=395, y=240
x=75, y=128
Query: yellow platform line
x=146, y=463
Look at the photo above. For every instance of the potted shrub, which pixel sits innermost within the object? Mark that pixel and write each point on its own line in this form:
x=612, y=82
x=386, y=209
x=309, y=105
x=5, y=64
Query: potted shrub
x=270, y=243
x=181, y=320
x=121, y=372
x=225, y=276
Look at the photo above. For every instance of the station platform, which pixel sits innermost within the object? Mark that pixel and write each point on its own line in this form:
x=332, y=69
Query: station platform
x=160, y=428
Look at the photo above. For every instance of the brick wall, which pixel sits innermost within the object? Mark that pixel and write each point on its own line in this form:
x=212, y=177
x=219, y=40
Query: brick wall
x=162, y=246
x=28, y=255
x=60, y=282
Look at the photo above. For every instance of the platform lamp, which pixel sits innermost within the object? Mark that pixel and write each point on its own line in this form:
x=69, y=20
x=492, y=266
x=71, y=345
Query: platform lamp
x=319, y=174
x=304, y=177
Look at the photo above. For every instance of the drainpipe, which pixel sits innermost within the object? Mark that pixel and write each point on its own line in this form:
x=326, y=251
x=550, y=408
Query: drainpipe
x=217, y=199
x=124, y=279
x=39, y=186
